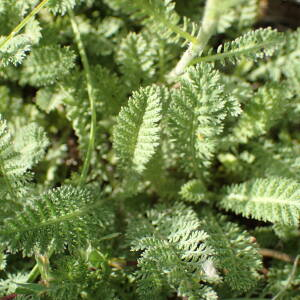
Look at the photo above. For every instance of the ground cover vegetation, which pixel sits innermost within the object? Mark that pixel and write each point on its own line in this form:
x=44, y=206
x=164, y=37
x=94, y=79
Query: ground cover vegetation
x=149, y=149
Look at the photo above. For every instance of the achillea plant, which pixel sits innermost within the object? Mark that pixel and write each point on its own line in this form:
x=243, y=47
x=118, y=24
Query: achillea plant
x=145, y=154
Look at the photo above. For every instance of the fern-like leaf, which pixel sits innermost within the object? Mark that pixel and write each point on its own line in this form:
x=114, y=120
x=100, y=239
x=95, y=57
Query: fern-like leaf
x=175, y=253
x=273, y=200
x=47, y=64
x=136, y=59
x=253, y=45
x=160, y=18
x=66, y=216
x=197, y=113
x=285, y=64
x=17, y=156
x=62, y=6
x=109, y=95
x=12, y=168
x=236, y=255
x=31, y=142
x=9, y=285
x=265, y=109
x=241, y=13
x=137, y=133
x=194, y=191
x=47, y=99
x=15, y=50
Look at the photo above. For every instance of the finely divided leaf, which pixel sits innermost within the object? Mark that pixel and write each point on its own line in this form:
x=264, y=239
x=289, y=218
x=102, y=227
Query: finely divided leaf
x=65, y=216
x=275, y=200
x=62, y=6
x=174, y=253
x=197, y=113
x=31, y=142
x=235, y=253
x=136, y=58
x=194, y=191
x=137, y=132
x=15, y=50
x=253, y=45
x=46, y=65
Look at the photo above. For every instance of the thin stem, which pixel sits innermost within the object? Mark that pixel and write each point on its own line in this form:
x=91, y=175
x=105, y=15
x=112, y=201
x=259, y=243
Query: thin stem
x=21, y=25
x=209, y=25
x=90, y=91
x=34, y=274
x=162, y=19
x=222, y=56
x=276, y=254
x=291, y=277
x=44, y=267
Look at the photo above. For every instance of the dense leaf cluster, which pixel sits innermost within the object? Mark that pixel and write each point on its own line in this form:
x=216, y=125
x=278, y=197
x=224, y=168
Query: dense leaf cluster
x=121, y=180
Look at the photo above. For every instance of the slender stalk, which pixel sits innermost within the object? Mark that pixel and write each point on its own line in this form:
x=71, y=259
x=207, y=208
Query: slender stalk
x=34, y=274
x=276, y=255
x=35, y=271
x=43, y=263
x=21, y=25
x=162, y=19
x=290, y=279
x=221, y=56
x=90, y=91
x=42, y=267
x=208, y=28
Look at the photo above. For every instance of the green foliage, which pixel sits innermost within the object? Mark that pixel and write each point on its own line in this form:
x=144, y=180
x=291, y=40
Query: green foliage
x=136, y=60
x=242, y=14
x=159, y=17
x=269, y=104
x=285, y=64
x=197, y=113
x=137, y=132
x=46, y=65
x=175, y=253
x=14, y=162
x=62, y=6
x=65, y=216
x=194, y=191
x=273, y=199
x=236, y=255
x=9, y=285
x=253, y=45
x=15, y=51
x=31, y=142
x=149, y=149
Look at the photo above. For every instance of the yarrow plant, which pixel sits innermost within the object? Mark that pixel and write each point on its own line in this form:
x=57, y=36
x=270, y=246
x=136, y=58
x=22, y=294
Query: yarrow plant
x=149, y=149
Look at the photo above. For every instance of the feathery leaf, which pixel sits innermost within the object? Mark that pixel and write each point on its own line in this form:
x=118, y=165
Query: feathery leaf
x=136, y=135
x=175, y=253
x=66, y=216
x=273, y=200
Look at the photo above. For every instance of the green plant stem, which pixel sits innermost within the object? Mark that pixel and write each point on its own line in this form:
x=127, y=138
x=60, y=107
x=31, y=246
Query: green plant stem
x=44, y=267
x=35, y=271
x=21, y=25
x=40, y=266
x=90, y=91
x=34, y=274
x=162, y=19
x=291, y=277
x=209, y=25
x=222, y=56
